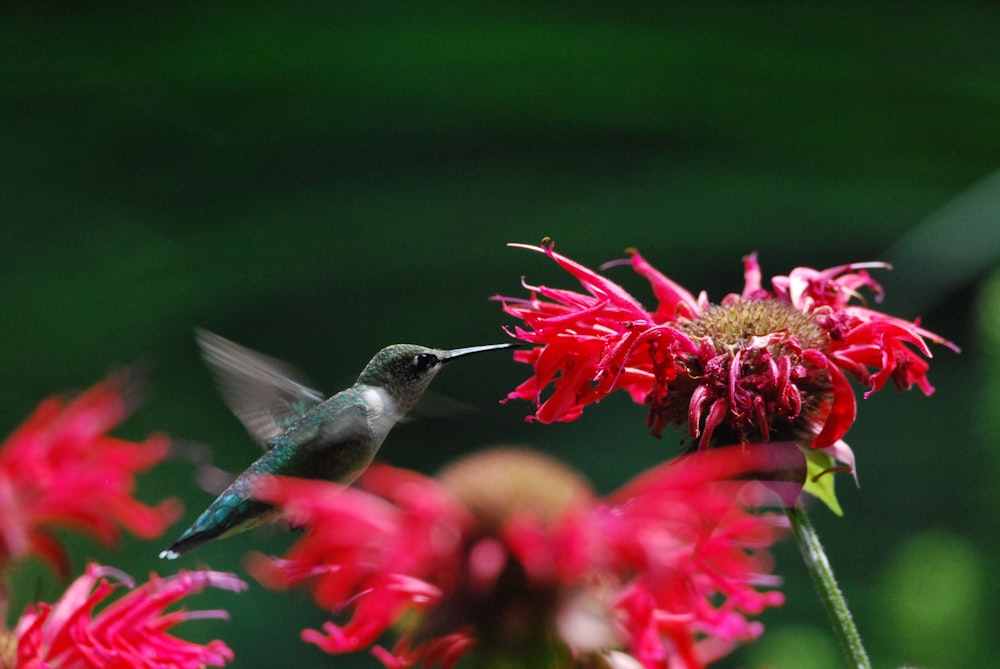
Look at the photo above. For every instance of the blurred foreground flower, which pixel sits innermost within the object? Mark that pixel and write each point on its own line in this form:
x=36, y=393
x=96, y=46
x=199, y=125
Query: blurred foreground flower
x=762, y=365
x=61, y=469
x=510, y=552
x=128, y=633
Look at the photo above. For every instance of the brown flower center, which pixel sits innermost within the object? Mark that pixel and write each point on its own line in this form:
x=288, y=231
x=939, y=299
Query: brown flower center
x=500, y=483
x=753, y=382
x=731, y=326
x=8, y=650
x=509, y=608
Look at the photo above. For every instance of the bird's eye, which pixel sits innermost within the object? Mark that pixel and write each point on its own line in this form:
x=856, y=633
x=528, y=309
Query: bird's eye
x=424, y=361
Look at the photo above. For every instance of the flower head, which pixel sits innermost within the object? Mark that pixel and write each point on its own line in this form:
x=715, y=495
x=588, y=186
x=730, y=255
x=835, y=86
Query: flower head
x=61, y=469
x=758, y=366
x=129, y=632
x=511, y=553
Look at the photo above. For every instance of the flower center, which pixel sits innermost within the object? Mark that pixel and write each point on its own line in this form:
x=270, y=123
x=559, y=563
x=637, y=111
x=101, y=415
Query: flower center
x=508, y=603
x=500, y=483
x=759, y=375
x=735, y=325
x=8, y=649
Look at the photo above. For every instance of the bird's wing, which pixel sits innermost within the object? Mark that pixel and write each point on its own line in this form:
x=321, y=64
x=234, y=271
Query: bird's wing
x=332, y=442
x=266, y=395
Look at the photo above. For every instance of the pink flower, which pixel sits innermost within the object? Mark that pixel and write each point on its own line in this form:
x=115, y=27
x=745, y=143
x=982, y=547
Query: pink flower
x=759, y=366
x=510, y=553
x=128, y=633
x=61, y=469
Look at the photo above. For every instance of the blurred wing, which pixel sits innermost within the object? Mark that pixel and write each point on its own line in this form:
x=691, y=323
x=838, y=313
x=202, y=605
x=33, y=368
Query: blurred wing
x=266, y=395
x=435, y=405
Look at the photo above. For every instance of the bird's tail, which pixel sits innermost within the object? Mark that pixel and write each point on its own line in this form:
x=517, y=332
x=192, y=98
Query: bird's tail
x=229, y=514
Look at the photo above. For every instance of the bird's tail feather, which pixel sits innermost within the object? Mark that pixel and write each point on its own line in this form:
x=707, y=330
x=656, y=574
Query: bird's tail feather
x=226, y=516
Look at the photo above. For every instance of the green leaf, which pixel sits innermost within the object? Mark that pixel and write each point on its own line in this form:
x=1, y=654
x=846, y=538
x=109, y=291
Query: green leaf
x=820, y=481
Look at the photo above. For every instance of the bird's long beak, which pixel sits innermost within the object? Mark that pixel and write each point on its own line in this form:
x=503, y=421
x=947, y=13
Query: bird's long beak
x=462, y=352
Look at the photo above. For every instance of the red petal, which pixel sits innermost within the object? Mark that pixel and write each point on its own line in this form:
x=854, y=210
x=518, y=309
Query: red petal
x=842, y=411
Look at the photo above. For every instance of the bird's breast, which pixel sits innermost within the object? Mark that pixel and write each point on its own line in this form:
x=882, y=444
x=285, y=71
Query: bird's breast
x=382, y=411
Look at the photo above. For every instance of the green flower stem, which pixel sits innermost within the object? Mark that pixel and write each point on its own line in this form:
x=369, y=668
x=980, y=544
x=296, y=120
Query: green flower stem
x=822, y=575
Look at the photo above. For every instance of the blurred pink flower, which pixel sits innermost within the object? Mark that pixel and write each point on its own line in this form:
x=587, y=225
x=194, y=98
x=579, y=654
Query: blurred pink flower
x=130, y=633
x=510, y=552
x=61, y=469
x=762, y=365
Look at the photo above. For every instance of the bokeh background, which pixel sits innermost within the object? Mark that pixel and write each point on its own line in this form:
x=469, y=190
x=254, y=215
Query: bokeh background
x=317, y=180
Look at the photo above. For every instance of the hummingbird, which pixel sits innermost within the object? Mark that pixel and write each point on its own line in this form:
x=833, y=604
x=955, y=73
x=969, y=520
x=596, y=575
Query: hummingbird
x=302, y=434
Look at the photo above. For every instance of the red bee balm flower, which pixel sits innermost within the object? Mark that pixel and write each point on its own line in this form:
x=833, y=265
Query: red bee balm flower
x=130, y=632
x=60, y=468
x=761, y=365
x=510, y=553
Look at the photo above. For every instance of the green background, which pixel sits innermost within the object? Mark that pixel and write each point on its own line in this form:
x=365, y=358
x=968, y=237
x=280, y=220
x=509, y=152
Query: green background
x=317, y=180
